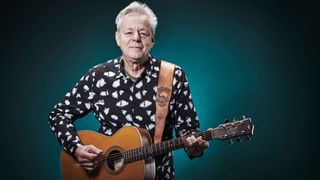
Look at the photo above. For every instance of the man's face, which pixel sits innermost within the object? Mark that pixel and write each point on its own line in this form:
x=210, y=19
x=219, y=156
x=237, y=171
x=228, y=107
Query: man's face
x=135, y=37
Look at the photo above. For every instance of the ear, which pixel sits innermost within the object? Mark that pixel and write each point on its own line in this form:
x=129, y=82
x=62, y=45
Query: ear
x=117, y=38
x=152, y=40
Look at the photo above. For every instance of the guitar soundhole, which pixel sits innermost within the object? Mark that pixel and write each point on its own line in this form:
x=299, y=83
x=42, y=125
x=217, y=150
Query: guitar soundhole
x=114, y=161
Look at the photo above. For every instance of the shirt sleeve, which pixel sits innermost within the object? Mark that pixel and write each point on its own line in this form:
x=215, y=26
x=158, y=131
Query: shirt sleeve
x=185, y=116
x=75, y=104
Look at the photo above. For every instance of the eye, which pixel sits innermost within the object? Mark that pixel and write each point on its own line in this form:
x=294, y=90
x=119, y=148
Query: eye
x=128, y=33
x=144, y=34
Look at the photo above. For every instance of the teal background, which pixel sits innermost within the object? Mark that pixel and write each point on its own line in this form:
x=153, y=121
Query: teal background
x=258, y=59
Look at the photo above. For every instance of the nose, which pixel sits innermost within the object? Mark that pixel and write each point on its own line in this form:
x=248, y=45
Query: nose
x=136, y=36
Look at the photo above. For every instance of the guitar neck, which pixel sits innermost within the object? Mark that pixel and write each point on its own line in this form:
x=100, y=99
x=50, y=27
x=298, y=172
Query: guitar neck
x=152, y=150
x=223, y=131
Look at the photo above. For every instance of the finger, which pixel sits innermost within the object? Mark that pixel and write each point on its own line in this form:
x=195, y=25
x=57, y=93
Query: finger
x=89, y=168
x=191, y=140
x=202, y=143
x=184, y=140
x=84, y=160
x=89, y=165
x=91, y=152
x=93, y=149
x=88, y=155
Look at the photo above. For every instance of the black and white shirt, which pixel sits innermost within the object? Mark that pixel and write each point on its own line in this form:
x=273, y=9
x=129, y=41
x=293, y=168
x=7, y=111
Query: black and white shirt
x=116, y=101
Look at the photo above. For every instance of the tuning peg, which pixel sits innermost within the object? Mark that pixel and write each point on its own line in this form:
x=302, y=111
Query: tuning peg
x=249, y=137
x=239, y=139
x=226, y=121
x=230, y=141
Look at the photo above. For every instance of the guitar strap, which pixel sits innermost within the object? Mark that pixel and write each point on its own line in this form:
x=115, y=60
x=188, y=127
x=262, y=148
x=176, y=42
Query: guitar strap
x=164, y=92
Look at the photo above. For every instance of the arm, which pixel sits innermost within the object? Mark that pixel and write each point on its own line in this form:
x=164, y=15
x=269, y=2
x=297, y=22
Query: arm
x=186, y=119
x=75, y=104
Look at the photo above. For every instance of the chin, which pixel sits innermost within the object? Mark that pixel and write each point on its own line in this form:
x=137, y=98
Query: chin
x=137, y=57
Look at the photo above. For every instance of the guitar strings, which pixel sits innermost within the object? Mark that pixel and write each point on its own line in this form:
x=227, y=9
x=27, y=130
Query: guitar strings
x=135, y=153
x=113, y=157
x=121, y=155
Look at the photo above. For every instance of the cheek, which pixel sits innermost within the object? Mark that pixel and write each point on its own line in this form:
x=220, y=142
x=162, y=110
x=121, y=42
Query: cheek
x=148, y=44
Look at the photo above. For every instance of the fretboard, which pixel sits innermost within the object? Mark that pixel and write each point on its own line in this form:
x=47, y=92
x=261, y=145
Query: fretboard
x=152, y=150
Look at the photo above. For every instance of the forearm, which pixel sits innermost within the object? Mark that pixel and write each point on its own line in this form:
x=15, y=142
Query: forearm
x=64, y=130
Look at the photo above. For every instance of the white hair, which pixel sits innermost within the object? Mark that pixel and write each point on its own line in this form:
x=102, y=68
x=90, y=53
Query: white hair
x=138, y=7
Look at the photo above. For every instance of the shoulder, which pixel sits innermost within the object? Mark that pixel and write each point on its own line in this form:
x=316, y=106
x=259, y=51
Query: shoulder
x=111, y=65
x=178, y=71
x=108, y=68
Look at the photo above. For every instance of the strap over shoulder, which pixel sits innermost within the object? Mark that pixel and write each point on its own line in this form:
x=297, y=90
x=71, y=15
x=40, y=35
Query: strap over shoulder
x=164, y=92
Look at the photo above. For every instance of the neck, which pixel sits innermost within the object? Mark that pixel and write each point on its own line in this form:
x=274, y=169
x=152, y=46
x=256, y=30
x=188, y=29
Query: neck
x=133, y=67
x=152, y=150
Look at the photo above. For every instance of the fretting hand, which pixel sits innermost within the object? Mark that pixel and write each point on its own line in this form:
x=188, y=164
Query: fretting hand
x=195, y=146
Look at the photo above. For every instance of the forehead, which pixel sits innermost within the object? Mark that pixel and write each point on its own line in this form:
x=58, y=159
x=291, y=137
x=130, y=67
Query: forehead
x=135, y=20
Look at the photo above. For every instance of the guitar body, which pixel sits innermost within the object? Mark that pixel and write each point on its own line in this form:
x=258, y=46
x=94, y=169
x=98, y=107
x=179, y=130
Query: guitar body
x=125, y=139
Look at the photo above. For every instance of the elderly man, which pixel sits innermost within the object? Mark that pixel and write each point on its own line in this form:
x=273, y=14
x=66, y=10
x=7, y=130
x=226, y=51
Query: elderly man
x=122, y=92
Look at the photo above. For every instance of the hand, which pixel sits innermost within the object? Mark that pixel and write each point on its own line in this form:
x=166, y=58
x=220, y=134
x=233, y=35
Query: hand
x=195, y=146
x=86, y=155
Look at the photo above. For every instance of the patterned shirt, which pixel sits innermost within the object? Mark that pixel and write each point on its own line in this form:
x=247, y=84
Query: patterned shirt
x=116, y=101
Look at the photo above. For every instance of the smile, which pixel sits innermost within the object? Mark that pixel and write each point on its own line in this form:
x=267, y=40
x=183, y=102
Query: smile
x=136, y=48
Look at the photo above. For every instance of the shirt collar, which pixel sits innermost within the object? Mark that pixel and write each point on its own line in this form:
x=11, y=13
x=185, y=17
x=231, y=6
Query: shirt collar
x=149, y=67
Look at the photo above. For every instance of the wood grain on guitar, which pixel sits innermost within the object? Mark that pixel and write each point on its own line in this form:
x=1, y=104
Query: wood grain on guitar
x=128, y=154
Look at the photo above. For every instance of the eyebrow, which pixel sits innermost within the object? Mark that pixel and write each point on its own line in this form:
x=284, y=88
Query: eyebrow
x=130, y=29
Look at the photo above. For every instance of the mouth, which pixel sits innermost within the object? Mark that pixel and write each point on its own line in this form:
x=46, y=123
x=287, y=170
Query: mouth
x=136, y=48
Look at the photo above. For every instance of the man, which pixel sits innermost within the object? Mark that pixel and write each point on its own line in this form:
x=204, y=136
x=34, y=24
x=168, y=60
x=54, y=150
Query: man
x=123, y=91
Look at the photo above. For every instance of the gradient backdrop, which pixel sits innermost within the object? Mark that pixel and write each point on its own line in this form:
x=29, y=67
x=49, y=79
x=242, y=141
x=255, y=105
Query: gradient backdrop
x=258, y=59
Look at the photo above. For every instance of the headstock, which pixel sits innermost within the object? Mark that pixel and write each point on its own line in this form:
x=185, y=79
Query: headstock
x=236, y=128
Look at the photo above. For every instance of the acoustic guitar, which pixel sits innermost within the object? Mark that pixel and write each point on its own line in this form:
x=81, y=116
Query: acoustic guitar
x=129, y=153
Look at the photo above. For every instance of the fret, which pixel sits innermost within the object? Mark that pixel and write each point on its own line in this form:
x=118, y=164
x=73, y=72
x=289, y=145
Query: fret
x=132, y=155
x=128, y=157
x=135, y=155
x=141, y=153
x=163, y=148
x=159, y=149
x=168, y=145
x=150, y=151
x=138, y=154
x=153, y=149
x=145, y=155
